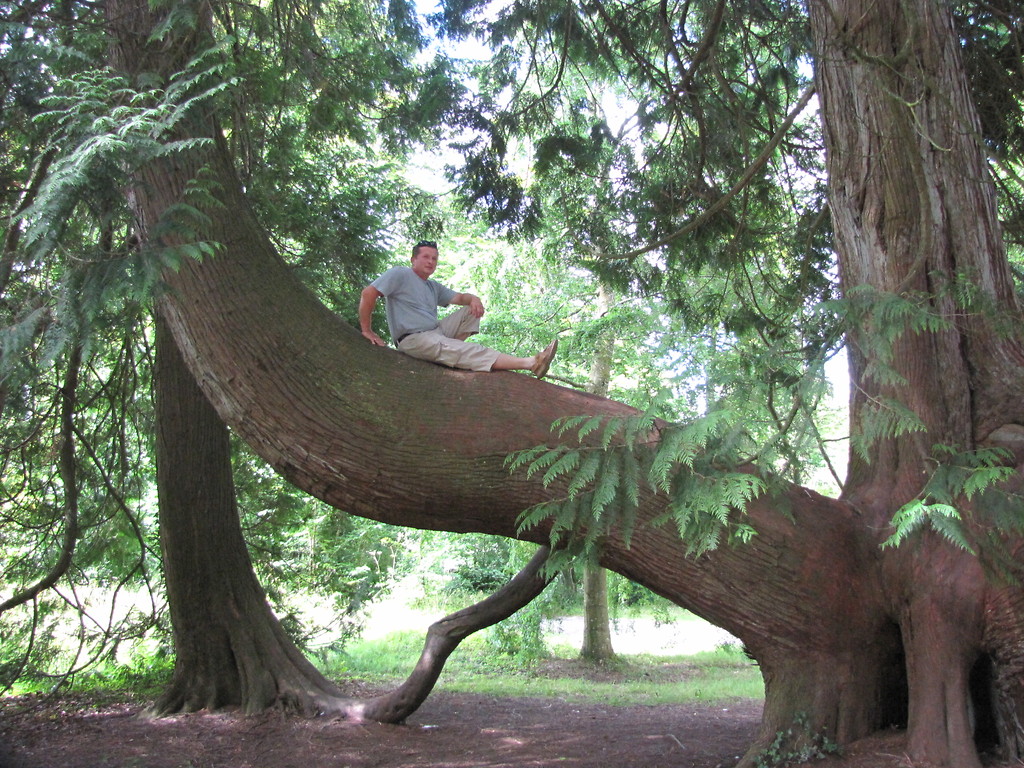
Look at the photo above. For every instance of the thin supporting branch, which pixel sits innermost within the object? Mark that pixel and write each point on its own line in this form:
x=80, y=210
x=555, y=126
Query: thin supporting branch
x=444, y=636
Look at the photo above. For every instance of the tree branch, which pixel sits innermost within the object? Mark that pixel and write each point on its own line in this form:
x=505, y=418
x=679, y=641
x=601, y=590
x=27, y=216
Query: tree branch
x=721, y=202
x=444, y=636
x=69, y=479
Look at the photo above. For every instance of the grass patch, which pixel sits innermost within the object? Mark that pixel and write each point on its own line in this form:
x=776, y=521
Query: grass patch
x=143, y=677
x=712, y=676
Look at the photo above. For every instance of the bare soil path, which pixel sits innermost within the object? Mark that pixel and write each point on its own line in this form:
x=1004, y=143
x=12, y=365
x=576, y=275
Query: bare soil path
x=452, y=730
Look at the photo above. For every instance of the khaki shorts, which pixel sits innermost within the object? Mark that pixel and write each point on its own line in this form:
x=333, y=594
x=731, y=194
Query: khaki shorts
x=441, y=346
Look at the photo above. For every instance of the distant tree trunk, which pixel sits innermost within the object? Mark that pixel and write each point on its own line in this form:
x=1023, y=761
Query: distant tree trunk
x=230, y=650
x=597, y=633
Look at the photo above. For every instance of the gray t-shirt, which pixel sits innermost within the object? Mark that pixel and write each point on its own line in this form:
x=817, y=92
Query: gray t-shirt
x=410, y=301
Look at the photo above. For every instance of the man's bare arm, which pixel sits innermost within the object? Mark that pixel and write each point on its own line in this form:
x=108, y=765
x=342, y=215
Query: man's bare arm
x=367, y=303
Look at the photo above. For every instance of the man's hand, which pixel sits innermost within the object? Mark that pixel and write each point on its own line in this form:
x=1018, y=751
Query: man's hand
x=476, y=307
x=374, y=338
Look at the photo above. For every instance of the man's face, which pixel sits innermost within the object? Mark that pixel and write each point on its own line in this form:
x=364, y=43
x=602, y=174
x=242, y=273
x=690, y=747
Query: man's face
x=425, y=261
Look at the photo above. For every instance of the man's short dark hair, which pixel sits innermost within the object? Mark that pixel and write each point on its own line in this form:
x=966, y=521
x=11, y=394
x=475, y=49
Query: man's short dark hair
x=423, y=244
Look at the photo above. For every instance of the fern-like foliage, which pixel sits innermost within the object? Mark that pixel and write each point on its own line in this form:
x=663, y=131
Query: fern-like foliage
x=79, y=253
x=105, y=128
x=959, y=477
x=883, y=417
x=610, y=464
x=883, y=318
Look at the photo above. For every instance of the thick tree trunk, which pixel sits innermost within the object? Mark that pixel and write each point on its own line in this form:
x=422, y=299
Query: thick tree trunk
x=399, y=440
x=914, y=211
x=230, y=650
x=402, y=441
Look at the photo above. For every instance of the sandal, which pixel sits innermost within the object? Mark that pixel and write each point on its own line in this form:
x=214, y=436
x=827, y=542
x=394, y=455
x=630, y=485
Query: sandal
x=540, y=368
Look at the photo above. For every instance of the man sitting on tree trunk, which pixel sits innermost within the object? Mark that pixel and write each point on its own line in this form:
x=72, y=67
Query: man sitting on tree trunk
x=412, y=299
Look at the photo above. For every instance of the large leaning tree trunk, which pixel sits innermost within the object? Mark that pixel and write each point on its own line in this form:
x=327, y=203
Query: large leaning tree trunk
x=229, y=648
x=849, y=636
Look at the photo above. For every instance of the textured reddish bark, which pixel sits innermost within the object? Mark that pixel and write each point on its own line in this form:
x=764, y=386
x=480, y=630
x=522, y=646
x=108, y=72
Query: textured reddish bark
x=914, y=211
x=230, y=649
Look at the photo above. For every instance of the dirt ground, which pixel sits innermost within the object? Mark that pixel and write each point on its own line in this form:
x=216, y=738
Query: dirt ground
x=451, y=730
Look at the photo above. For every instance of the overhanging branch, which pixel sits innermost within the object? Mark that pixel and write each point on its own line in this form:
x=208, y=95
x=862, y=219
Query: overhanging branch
x=719, y=204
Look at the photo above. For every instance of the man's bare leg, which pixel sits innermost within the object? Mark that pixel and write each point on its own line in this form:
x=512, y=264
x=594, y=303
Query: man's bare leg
x=538, y=364
x=509, y=363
